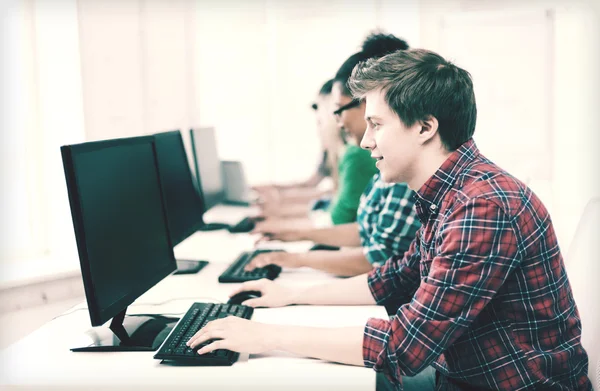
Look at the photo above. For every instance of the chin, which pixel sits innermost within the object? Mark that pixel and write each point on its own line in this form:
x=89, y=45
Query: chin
x=390, y=177
x=386, y=177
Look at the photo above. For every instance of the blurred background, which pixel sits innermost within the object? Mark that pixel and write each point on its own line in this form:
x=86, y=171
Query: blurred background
x=84, y=70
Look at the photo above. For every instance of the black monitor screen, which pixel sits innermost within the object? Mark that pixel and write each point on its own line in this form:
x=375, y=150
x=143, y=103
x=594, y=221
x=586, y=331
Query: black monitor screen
x=184, y=205
x=208, y=166
x=120, y=222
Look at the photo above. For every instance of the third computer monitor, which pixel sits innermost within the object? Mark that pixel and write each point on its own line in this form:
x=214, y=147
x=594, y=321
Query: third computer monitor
x=208, y=166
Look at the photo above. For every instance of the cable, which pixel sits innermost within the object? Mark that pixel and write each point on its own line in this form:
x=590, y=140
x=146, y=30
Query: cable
x=150, y=304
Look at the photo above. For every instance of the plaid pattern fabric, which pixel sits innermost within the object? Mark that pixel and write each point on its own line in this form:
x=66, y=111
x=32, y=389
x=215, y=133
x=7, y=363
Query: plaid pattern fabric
x=482, y=293
x=387, y=221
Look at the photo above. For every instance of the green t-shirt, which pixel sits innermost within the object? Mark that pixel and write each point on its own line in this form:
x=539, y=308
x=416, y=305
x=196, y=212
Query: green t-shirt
x=356, y=168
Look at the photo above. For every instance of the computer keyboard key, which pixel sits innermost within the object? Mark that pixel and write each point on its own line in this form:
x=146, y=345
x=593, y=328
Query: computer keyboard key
x=214, y=312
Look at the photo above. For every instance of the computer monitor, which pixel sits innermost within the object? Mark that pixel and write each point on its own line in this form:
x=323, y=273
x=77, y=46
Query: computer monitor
x=183, y=203
x=122, y=236
x=209, y=176
x=237, y=191
x=208, y=166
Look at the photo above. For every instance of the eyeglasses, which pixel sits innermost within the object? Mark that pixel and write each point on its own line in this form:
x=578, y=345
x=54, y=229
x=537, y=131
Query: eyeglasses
x=348, y=106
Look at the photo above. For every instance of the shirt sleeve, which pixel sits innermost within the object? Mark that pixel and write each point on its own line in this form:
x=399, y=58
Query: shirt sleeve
x=396, y=281
x=356, y=170
x=476, y=251
x=395, y=227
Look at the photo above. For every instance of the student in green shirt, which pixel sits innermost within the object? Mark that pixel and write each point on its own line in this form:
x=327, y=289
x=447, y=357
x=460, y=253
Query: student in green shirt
x=356, y=167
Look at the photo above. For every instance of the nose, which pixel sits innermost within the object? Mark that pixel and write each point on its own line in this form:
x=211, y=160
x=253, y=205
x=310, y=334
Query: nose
x=368, y=140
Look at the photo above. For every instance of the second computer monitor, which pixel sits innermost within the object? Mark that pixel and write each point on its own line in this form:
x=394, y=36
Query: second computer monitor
x=184, y=205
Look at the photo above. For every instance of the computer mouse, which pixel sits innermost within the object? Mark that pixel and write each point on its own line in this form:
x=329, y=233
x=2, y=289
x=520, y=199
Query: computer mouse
x=241, y=297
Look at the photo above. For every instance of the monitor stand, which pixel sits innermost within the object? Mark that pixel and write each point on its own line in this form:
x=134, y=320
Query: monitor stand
x=185, y=266
x=128, y=333
x=213, y=226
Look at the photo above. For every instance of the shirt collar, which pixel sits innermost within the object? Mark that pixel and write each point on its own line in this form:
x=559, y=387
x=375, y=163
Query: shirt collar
x=433, y=191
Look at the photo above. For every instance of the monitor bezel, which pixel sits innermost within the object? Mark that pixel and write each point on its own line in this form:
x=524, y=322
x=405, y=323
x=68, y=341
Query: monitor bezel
x=98, y=315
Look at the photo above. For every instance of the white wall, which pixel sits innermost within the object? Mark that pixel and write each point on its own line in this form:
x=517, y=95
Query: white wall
x=248, y=68
x=17, y=107
x=95, y=70
x=570, y=140
x=43, y=107
x=260, y=64
x=84, y=70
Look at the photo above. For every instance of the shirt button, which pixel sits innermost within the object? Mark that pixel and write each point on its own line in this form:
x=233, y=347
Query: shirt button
x=433, y=207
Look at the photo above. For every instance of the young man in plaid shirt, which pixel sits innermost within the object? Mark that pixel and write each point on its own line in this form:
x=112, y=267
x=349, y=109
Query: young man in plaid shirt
x=386, y=225
x=482, y=295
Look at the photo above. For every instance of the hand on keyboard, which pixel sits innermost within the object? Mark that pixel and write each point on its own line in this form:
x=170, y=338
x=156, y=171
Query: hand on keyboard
x=277, y=229
x=272, y=294
x=280, y=258
x=235, y=334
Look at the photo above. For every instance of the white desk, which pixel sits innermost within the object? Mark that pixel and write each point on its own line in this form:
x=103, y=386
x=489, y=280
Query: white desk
x=44, y=359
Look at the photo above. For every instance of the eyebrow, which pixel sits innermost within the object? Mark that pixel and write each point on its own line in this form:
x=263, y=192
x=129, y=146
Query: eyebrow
x=372, y=117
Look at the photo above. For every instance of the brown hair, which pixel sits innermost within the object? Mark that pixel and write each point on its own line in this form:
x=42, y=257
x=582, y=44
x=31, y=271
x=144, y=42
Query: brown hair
x=419, y=83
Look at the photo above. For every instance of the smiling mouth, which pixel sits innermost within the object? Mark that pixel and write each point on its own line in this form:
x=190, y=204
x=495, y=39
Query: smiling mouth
x=378, y=158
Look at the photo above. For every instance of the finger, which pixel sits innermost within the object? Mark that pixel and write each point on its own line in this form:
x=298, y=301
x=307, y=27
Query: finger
x=210, y=327
x=212, y=346
x=251, y=265
x=266, y=261
x=262, y=239
x=215, y=334
x=259, y=261
x=198, y=334
x=253, y=303
x=256, y=285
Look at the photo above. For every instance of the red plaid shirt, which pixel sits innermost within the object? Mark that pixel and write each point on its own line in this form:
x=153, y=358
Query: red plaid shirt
x=482, y=294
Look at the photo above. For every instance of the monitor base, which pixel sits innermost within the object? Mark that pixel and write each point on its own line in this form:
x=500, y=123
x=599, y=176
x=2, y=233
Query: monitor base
x=213, y=226
x=185, y=266
x=142, y=333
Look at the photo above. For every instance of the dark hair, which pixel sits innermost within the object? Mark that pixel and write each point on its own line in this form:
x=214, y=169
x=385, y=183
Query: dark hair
x=327, y=87
x=325, y=90
x=376, y=45
x=419, y=83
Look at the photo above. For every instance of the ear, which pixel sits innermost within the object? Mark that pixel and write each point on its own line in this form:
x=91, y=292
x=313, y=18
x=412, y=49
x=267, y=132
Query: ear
x=428, y=128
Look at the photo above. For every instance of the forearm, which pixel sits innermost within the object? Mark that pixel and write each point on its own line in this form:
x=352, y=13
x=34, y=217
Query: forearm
x=343, y=235
x=308, y=183
x=349, y=291
x=293, y=209
x=348, y=262
x=342, y=345
x=306, y=194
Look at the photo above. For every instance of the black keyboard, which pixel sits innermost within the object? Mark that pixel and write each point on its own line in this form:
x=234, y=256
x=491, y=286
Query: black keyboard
x=236, y=273
x=246, y=225
x=174, y=349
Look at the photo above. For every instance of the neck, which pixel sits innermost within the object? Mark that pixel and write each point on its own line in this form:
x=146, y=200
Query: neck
x=429, y=162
